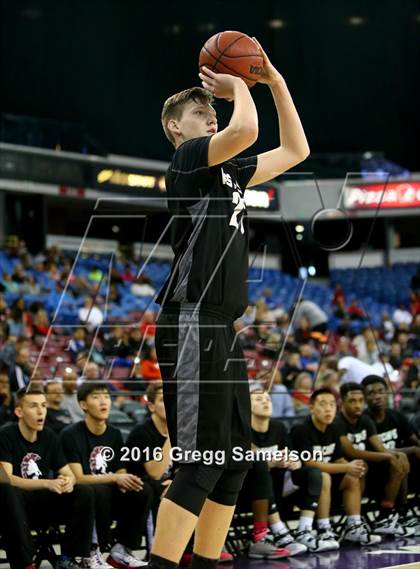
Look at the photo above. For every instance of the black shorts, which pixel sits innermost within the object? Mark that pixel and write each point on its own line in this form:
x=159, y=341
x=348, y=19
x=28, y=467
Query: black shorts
x=377, y=478
x=205, y=387
x=336, y=493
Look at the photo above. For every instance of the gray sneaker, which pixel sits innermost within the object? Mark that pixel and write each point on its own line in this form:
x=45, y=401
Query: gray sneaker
x=265, y=549
x=286, y=540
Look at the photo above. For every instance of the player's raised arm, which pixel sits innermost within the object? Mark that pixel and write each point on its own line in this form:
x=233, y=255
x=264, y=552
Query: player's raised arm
x=293, y=147
x=242, y=130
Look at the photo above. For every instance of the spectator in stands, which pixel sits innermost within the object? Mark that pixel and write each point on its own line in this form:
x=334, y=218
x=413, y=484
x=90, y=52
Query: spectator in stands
x=77, y=343
x=355, y=311
x=317, y=318
x=395, y=358
x=387, y=470
x=387, y=327
x=18, y=275
x=30, y=286
x=115, y=345
x=401, y=316
x=20, y=372
x=90, y=315
x=92, y=371
x=344, y=348
x=95, y=275
x=134, y=340
x=142, y=286
x=70, y=402
x=407, y=344
x=127, y=275
x=53, y=272
x=9, y=349
x=339, y=295
x=342, y=478
x=41, y=323
x=9, y=285
x=147, y=325
x=149, y=367
x=353, y=370
x=301, y=393
x=118, y=495
x=309, y=358
x=330, y=380
x=291, y=369
x=340, y=309
x=6, y=400
x=57, y=417
x=28, y=453
x=17, y=322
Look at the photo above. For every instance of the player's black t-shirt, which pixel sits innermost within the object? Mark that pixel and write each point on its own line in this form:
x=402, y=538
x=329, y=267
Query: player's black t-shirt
x=357, y=433
x=395, y=430
x=307, y=437
x=143, y=437
x=98, y=454
x=39, y=459
x=209, y=230
x=276, y=438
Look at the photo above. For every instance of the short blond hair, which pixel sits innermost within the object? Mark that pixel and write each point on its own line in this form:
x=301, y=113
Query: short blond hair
x=174, y=106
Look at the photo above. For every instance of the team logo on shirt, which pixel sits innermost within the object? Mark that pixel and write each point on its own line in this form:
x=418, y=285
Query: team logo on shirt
x=97, y=461
x=389, y=438
x=358, y=439
x=29, y=468
x=238, y=201
x=325, y=450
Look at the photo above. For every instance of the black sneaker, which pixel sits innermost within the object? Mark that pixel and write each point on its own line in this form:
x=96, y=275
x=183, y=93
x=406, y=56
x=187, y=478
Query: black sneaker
x=67, y=564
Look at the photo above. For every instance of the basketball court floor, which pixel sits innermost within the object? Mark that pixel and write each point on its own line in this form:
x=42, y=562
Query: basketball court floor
x=393, y=554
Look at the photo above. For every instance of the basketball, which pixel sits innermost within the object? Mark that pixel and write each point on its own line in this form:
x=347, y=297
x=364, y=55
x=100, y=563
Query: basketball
x=233, y=53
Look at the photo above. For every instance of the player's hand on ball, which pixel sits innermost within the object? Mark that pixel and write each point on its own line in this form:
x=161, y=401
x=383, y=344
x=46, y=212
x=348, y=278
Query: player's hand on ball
x=269, y=73
x=220, y=84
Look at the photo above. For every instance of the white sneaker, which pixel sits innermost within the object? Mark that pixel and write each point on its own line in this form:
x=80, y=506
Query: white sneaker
x=95, y=561
x=391, y=526
x=312, y=543
x=122, y=557
x=327, y=534
x=360, y=533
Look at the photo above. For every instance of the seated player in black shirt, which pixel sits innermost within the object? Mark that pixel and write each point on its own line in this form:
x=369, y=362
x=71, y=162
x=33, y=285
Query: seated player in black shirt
x=28, y=453
x=397, y=435
x=94, y=450
x=285, y=476
x=57, y=417
x=387, y=470
x=150, y=447
x=13, y=533
x=321, y=438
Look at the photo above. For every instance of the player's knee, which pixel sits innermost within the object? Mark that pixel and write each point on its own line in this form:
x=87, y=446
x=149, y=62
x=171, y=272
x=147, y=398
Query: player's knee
x=228, y=486
x=191, y=486
x=350, y=483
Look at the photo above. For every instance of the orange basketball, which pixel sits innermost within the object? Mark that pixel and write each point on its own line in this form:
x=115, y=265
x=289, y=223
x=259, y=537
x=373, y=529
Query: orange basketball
x=233, y=53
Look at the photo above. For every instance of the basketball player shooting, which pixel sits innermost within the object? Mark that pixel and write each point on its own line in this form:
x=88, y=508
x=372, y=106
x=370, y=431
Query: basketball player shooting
x=205, y=381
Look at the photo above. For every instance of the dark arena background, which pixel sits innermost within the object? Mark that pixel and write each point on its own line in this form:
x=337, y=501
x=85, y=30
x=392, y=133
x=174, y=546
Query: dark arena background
x=85, y=247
